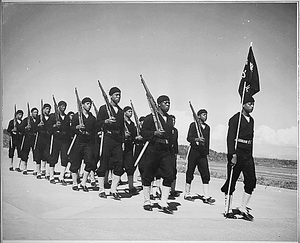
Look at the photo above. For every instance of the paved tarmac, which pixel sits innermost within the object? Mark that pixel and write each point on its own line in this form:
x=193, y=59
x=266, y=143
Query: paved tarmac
x=37, y=211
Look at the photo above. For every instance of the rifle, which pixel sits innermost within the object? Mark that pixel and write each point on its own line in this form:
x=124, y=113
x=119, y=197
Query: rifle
x=196, y=119
x=101, y=132
x=41, y=120
x=15, y=126
x=15, y=118
x=28, y=124
x=95, y=109
x=111, y=112
x=153, y=107
x=79, y=108
x=138, y=128
x=56, y=113
x=154, y=111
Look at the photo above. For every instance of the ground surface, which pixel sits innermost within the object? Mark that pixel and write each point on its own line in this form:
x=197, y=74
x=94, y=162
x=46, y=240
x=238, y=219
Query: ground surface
x=35, y=210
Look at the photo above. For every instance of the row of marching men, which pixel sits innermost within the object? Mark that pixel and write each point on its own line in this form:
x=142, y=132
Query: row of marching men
x=111, y=141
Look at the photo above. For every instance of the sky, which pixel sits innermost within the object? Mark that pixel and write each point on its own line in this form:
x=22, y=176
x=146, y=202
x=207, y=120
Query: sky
x=192, y=51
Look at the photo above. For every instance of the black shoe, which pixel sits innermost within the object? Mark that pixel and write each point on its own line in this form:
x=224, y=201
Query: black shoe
x=152, y=197
x=208, y=200
x=52, y=181
x=38, y=177
x=188, y=198
x=84, y=188
x=229, y=215
x=47, y=178
x=43, y=172
x=102, y=195
x=167, y=210
x=34, y=173
x=18, y=169
x=174, y=194
x=116, y=196
x=148, y=207
x=133, y=191
x=107, y=185
x=75, y=188
x=11, y=168
x=25, y=172
x=63, y=182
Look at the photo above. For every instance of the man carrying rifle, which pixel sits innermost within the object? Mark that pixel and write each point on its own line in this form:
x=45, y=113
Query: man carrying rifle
x=14, y=129
x=198, y=156
x=158, y=154
x=29, y=128
x=42, y=150
x=83, y=125
x=130, y=138
x=112, y=154
x=61, y=141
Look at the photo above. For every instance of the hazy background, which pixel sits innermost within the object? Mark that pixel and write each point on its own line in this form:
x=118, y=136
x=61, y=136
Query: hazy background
x=189, y=51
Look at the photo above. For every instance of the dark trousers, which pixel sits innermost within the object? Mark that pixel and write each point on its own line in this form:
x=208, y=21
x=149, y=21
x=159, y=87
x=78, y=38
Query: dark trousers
x=128, y=162
x=59, y=147
x=96, y=153
x=245, y=164
x=82, y=151
x=14, y=144
x=42, y=150
x=158, y=157
x=27, y=146
x=112, y=156
x=195, y=159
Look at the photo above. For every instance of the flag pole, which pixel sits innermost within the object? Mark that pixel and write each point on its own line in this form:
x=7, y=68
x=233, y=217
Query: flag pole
x=235, y=147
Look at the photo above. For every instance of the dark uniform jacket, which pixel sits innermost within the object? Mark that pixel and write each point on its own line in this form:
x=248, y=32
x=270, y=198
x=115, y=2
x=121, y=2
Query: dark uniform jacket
x=33, y=123
x=175, y=140
x=18, y=133
x=246, y=133
x=63, y=131
x=46, y=129
x=17, y=136
x=148, y=129
x=86, y=135
x=192, y=134
x=129, y=142
x=114, y=131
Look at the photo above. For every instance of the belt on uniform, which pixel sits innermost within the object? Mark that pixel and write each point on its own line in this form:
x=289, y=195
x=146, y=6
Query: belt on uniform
x=240, y=140
x=161, y=140
x=113, y=132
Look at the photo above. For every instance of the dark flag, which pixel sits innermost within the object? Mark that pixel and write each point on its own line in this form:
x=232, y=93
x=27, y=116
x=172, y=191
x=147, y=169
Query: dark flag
x=250, y=76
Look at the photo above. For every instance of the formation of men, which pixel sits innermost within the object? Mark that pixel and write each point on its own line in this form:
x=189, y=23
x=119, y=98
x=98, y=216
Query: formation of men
x=111, y=143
